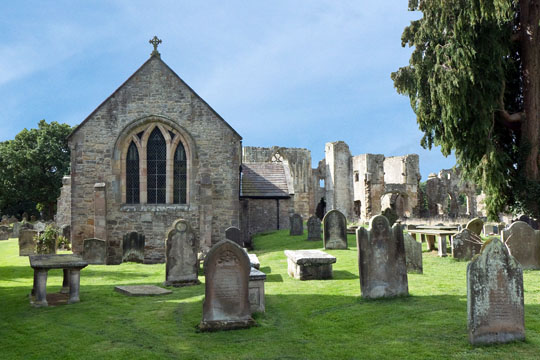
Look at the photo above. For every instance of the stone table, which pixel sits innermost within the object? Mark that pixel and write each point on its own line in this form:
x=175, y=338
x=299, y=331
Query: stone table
x=72, y=265
x=309, y=264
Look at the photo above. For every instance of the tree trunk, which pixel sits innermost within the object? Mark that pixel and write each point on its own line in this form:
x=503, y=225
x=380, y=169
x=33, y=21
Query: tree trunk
x=530, y=57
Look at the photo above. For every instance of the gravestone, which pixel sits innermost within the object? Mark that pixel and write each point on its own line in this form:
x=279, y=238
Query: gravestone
x=182, y=266
x=94, y=251
x=4, y=220
x=5, y=232
x=40, y=226
x=524, y=244
x=495, y=296
x=16, y=229
x=465, y=245
x=475, y=225
x=65, y=231
x=381, y=259
x=27, y=244
x=532, y=223
x=12, y=220
x=314, y=229
x=133, y=247
x=335, y=230
x=297, y=226
x=234, y=234
x=413, y=254
x=226, y=302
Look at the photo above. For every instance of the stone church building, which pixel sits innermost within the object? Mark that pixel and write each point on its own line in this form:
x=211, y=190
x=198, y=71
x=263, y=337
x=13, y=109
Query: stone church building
x=152, y=152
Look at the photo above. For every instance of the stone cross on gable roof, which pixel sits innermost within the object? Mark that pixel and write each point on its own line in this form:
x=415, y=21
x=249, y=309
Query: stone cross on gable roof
x=155, y=41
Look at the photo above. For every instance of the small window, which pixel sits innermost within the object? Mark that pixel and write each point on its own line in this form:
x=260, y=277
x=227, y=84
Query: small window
x=132, y=175
x=180, y=175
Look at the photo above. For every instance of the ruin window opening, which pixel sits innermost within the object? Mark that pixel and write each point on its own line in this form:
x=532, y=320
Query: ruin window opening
x=132, y=175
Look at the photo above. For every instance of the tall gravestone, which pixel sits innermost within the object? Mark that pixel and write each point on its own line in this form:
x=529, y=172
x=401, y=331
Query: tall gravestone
x=16, y=229
x=94, y=251
x=226, y=302
x=476, y=225
x=413, y=254
x=182, y=247
x=234, y=234
x=465, y=245
x=495, y=296
x=335, y=230
x=27, y=244
x=314, y=228
x=297, y=225
x=381, y=259
x=133, y=247
x=524, y=244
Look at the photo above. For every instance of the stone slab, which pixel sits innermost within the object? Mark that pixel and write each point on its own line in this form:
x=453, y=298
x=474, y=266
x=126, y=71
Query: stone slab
x=254, y=261
x=310, y=257
x=57, y=261
x=309, y=264
x=141, y=290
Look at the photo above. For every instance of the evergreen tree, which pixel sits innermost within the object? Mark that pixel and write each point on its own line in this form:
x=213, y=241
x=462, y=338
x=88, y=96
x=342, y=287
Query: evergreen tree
x=474, y=83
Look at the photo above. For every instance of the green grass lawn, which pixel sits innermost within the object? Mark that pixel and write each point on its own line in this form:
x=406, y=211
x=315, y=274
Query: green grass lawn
x=324, y=319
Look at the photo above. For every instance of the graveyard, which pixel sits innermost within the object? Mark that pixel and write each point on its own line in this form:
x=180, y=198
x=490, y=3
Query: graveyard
x=313, y=319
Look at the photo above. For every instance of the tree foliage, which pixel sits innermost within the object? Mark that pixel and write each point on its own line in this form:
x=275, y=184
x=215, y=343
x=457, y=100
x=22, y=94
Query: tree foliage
x=469, y=83
x=31, y=168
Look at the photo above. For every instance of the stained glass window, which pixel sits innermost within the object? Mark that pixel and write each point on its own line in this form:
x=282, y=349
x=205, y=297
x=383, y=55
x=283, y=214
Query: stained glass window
x=156, y=167
x=180, y=175
x=132, y=175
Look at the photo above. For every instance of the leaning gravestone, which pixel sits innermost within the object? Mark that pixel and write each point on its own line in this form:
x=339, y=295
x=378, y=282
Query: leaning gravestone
x=297, y=226
x=476, y=225
x=226, y=302
x=413, y=254
x=94, y=251
x=524, y=244
x=465, y=245
x=495, y=296
x=234, y=234
x=133, y=247
x=314, y=228
x=381, y=259
x=335, y=230
x=27, y=244
x=182, y=266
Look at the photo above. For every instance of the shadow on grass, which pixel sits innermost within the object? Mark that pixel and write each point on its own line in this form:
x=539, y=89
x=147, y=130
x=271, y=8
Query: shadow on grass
x=343, y=275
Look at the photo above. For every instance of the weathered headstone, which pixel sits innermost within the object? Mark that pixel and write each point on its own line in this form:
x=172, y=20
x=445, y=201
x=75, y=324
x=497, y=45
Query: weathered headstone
x=297, y=226
x=133, y=247
x=381, y=259
x=95, y=251
x=182, y=247
x=16, y=229
x=40, y=226
x=314, y=229
x=226, y=302
x=234, y=234
x=27, y=244
x=5, y=232
x=413, y=254
x=335, y=230
x=475, y=225
x=4, y=220
x=532, y=223
x=495, y=296
x=65, y=231
x=524, y=244
x=465, y=245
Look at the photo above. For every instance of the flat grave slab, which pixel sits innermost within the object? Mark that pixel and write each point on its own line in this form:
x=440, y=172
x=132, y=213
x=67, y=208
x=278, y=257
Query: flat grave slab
x=141, y=290
x=309, y=264
x=254, y=261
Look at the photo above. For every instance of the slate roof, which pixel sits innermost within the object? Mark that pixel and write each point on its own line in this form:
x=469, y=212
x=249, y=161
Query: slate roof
x=264, y=180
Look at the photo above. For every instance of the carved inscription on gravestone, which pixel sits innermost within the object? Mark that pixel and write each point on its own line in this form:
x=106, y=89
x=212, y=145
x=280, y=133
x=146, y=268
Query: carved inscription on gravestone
x=182, y=247
x=495, y=296
x=524, y=244
x=226, y=303
x=314, y=228
x=335, y=230
x=381, y=259
x=297, y=226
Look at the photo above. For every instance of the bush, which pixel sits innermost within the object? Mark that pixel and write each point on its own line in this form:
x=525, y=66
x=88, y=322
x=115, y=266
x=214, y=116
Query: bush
x=46, y=240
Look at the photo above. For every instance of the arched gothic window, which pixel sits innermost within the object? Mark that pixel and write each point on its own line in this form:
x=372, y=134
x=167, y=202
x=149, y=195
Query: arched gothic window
x=132, y=175
x=180, y=175
x=156, y=160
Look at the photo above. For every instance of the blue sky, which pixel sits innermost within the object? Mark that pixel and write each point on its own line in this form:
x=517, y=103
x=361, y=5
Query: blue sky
x=293, y=73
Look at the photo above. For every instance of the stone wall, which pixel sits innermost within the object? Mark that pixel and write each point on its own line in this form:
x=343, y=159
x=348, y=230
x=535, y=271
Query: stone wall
x=443, y=193
x=368, y=184
x=260, y=215
x=299, y=161
x=154, y=96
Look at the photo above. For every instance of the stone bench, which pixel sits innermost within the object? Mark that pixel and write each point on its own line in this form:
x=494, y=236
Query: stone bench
x=309, y=264
x=256, y=290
